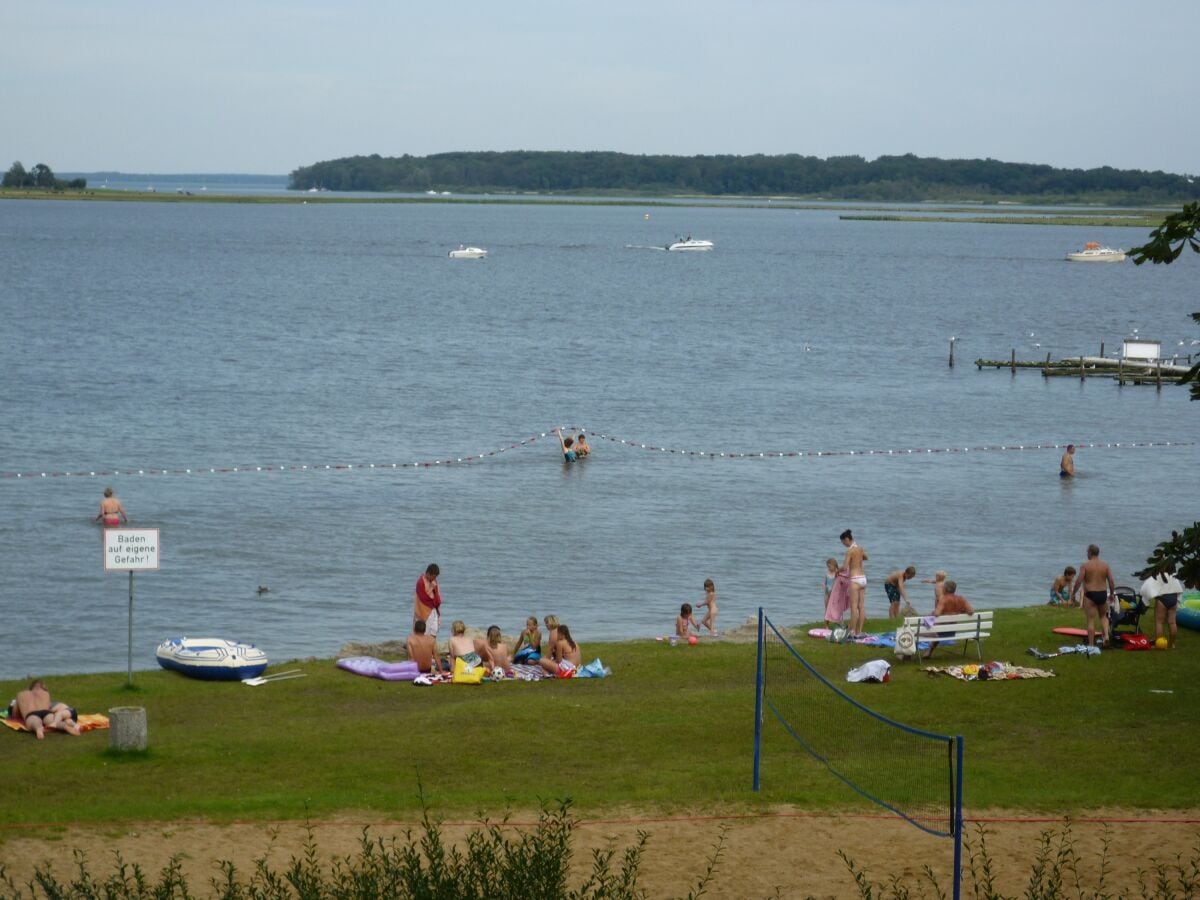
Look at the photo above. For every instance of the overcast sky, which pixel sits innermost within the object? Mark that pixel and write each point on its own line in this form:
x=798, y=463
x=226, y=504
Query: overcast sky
x=256, y=87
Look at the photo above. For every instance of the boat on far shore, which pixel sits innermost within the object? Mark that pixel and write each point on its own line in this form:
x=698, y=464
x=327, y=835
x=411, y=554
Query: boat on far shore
x=464, y=252
x=1094, y=252
x=690, y=243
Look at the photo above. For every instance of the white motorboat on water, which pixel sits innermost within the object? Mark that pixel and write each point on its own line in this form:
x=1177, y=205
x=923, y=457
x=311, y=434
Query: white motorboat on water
x=690, y=243
x=1094, y=252
x=468, y=253
x=211, y=659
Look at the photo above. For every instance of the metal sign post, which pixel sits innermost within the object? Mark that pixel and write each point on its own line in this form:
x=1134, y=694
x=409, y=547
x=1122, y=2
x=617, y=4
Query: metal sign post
x=130, y=550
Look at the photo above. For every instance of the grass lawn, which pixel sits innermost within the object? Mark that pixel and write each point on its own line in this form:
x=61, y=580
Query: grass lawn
x=671, y=730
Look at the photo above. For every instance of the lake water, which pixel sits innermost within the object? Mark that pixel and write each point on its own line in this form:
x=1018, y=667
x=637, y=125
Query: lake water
x=161, y=336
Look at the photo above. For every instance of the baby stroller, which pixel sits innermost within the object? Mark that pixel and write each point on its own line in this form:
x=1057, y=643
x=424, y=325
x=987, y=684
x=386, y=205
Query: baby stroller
x=1126, y=611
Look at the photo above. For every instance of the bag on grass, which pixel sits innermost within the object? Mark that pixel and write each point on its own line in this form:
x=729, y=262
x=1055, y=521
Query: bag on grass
x=906, y=641
x=875, y=670
x=595, y=669
x=464, y=673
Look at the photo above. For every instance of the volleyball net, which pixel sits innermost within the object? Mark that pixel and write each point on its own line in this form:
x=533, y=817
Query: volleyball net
x=914, y=773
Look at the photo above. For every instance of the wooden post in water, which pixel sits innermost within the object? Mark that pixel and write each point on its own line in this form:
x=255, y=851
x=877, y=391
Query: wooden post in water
x=1013, y=361
x=1081, y=374
x=1047, y=359
x=1158, y=376
x=1121, y=371
x=1102, y=348
x=952, y=353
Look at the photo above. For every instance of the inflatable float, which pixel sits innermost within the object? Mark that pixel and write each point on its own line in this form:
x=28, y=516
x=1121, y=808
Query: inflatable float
x=212, y=659
x=377, y=668
x=1187, y=613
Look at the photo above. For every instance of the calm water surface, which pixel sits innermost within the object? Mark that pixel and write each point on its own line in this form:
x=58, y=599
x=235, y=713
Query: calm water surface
x=141, y=336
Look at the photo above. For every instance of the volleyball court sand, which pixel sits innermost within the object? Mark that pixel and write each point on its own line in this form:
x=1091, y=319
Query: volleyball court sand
x=791, y=851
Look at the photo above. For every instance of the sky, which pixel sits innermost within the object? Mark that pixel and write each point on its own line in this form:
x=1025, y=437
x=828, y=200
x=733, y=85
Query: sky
x=265, y=87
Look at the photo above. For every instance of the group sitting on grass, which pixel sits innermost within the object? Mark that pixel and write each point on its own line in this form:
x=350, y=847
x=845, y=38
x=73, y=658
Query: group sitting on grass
x=562, y=656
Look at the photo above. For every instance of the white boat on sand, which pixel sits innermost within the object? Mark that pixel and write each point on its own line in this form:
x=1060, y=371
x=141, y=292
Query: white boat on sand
x=468, y=253
x=1093, y=252
x=690, y=243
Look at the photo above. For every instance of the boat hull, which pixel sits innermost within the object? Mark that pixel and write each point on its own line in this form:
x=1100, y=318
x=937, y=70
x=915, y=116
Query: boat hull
x=211, y=659
x=690, y=246
x=1097, y=256
x=468, y=253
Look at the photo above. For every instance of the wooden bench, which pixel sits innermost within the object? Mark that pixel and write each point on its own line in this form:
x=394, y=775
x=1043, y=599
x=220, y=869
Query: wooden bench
x=959, y=627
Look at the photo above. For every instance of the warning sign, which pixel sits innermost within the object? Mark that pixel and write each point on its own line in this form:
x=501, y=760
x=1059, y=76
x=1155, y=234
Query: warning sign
x=130, y=549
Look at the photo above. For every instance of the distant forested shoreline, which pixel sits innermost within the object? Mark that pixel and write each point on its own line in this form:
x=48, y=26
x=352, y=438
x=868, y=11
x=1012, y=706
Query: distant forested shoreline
x=905, y=178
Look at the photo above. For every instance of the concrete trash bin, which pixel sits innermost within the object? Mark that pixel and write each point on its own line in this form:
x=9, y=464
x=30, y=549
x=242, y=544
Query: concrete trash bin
x=127, y=727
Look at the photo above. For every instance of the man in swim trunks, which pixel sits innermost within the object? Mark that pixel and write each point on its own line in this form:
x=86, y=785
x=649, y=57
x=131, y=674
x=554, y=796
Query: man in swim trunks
x=1094, y=577
x=894, y=588
x=111, y=510
x=427, y=599
x=1066, y=465
x=39, y=712
x=422, y=648
x=853, y=567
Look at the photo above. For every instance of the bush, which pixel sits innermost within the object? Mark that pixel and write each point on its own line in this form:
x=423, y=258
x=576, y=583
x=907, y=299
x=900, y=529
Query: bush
x=498, y=862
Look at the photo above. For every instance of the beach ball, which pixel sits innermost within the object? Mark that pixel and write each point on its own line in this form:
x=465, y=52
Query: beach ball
x=1160, y=643
x=693, y=640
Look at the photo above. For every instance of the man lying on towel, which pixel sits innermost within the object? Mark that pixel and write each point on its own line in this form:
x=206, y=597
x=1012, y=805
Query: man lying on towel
x=37, y=710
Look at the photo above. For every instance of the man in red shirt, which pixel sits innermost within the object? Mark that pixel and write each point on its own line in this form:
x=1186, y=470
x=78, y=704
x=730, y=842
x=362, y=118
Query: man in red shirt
x=427, y=600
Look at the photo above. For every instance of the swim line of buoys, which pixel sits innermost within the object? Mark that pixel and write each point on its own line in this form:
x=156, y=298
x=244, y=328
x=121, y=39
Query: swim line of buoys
x=594, y=435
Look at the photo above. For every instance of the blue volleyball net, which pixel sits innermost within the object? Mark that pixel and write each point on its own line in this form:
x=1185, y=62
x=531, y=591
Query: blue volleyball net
x=917, y=774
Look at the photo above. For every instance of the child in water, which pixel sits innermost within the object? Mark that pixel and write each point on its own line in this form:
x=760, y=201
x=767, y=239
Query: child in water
x=683, y=620
x=710, y=600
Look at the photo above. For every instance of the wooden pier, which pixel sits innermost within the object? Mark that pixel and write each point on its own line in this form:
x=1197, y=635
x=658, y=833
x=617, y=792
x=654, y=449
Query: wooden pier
x=1125, y=371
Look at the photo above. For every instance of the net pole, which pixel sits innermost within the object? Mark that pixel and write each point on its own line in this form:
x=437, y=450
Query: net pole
x=958, y=816
x=758, y=701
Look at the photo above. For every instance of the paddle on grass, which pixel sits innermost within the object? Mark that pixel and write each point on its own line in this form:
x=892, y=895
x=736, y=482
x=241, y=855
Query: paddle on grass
x=278, y=676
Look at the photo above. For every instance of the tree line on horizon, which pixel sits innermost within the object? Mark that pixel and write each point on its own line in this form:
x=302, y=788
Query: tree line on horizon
x=904, y=178
x=40, y=176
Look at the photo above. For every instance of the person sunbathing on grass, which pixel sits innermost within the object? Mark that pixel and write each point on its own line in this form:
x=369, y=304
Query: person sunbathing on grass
x=461, y=646
x=40, y=713
x=498, y=649
x=565, y=655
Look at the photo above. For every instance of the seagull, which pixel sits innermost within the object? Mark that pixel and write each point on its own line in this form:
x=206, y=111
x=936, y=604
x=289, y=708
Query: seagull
x=263, y=589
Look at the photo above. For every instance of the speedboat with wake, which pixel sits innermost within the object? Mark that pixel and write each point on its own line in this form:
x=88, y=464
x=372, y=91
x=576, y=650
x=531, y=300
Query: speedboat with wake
x=690, y=243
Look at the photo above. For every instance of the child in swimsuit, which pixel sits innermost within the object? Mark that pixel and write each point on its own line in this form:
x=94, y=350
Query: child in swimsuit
x=529, y=643
x=498, y=649
x=684, y=620
x=710, y=601
x=1060, y=590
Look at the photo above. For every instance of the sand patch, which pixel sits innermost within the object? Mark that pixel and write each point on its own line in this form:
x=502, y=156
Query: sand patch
x=791, y=851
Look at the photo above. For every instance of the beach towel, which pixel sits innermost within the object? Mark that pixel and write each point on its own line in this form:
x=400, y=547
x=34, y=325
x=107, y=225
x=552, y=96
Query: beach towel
x=839, y=598
x=993, y=671
x=87, y=722
x=524, y=672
